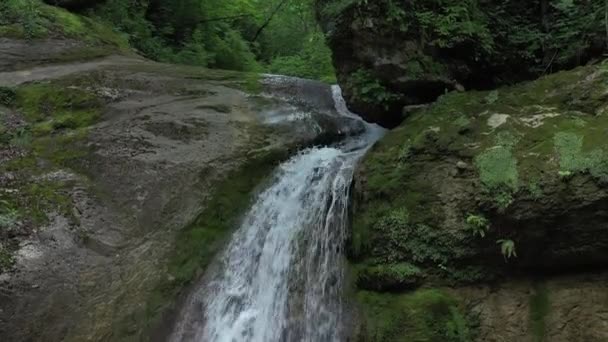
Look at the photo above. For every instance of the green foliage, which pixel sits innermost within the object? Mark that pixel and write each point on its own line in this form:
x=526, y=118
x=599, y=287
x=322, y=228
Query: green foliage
x=24, y=16
x=219, y=34
x=454, y=23
x=507, y=248
x=478, y=225
x=234, y=35
x=503, y=199
x=425, y=315
x=419, y=243
x=521, y=38
x=368, y=89
x=7, y=96
x=313, y=62
x=334, y=8
x=539, y=309
x=230, y=51
x=33, y=19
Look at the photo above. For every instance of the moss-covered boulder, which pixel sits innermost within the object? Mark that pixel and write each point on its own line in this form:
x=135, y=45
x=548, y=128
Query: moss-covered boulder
x=389, y=54
x=480, y=188
x=484, y=184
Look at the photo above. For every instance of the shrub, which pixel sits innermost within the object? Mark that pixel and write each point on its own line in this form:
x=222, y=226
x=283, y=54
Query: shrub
x=314, y=61
x=25, y=14
x=368, y=89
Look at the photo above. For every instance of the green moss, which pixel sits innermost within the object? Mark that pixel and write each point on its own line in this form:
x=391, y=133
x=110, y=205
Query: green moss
x=39, y=102
x=58, y=117
x=42, y=197
x=388, y=276
x=12, y=31
x=598, y=165
x=539, y=309
x=413, y=168
x=425, y=315
x=498, y=168
x=573, y=159
x=33, y=201
x=569, y=147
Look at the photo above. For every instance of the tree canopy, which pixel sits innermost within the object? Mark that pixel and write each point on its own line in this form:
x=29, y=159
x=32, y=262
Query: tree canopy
x=279, y=36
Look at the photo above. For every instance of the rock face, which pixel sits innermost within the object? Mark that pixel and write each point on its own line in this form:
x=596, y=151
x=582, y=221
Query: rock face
x=121, y=178
x=390, y=54
x=481, y=187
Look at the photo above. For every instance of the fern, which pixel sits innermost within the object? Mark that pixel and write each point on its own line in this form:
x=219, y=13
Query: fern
x=507, y=248
x=478, y=225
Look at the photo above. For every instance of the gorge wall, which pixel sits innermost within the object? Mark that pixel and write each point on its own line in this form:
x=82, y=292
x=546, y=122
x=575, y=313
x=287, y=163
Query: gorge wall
x=482, y=216
x=391, y=54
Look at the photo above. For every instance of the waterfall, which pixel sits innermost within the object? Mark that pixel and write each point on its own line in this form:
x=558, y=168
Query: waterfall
x=280, y=277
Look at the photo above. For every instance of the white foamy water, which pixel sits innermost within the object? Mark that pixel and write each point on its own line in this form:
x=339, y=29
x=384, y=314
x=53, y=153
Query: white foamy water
x=280, y=278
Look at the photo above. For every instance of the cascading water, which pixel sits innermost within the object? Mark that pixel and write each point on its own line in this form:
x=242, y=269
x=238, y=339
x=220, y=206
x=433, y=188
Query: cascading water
x=280, y=278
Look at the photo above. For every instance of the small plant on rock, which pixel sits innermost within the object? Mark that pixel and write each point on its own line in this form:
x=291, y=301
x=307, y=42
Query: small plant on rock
x=478, y=225
x=507, y=248
x=8, y=215
x=565, y=175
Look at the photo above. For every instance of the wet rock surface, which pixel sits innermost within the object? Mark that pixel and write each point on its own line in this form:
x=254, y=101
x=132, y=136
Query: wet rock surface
x=165, y=137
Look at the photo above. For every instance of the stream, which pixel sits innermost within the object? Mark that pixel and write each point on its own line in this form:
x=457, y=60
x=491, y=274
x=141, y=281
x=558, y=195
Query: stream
x=280, y=277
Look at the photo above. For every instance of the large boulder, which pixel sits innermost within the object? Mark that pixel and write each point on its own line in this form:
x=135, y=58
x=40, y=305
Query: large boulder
x=390, y=54
x=121, y=178
x=481, y=187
